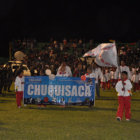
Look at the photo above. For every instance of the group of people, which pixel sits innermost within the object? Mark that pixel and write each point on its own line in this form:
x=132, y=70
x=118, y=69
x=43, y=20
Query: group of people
x=40, y=56
x=64, y=59
x=106, y=78
x=123, y=85
x=6, y=78
x=120, y=78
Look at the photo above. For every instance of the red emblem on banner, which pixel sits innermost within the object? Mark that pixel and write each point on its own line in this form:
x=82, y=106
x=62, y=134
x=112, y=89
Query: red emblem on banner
x=46, y=99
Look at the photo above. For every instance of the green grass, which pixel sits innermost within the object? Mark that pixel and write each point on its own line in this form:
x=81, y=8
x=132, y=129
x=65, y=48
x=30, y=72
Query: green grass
x=71, y=123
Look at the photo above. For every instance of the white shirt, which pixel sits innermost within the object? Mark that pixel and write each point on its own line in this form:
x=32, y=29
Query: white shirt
x=67, y=72
x=91, y=75
x=108, y=76
x=127, y=87
x=134, y=70
x=124, y=68
x=135, y=78
x=103, y=78
x=112, y=74
x=97, y=74
x=19, y=84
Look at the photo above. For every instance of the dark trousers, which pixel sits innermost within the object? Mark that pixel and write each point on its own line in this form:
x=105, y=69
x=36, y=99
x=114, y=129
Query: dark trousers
x=97, y=89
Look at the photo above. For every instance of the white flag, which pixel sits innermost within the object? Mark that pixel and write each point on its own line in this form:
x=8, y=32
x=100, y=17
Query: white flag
x=105, y=55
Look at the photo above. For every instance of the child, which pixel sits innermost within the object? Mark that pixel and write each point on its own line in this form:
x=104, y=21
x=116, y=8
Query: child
x=107, y=75
x=123, y=87
x=19, y=87
x=89, y=73
x=135, y=80
x=113, y=75
x=103, y=80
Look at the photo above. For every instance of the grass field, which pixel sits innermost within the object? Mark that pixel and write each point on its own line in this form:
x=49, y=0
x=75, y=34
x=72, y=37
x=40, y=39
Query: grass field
x=71, y=123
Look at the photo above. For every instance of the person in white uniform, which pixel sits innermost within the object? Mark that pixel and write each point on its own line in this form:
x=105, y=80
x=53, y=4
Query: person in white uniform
x=64, y=70
x=122, y=68
x=135, y=81
x=98, y=75
x=123, y=87
x=19, y=88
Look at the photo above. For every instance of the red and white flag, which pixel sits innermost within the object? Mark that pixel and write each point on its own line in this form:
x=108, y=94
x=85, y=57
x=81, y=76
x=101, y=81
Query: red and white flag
x=105, y=55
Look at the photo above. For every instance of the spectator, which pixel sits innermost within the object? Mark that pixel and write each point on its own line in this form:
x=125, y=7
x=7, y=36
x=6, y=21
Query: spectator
x=64, y=70
x=78, y=72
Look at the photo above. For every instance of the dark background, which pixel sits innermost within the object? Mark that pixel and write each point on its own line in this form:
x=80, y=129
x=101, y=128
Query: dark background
x=87, y=19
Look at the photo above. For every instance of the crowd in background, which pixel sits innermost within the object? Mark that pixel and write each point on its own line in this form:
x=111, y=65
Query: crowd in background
x=42, y=56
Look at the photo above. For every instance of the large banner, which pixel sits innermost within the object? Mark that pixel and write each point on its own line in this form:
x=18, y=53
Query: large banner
x=60, y=90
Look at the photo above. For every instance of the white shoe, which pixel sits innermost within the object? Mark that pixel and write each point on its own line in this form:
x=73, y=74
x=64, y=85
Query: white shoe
x=118, y=119
x=19, y=107
x=127, y=120
x=25, y=105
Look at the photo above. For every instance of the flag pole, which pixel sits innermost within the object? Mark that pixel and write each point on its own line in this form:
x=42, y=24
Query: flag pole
x=119, y=70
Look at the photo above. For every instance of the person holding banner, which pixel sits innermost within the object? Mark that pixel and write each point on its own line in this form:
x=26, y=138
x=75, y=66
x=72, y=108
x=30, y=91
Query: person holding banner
x=89, y=73
x=19, y=87
x=78, y=72
x=98, y=75
x=92, y=74
x=64, y=70
x=123, y=87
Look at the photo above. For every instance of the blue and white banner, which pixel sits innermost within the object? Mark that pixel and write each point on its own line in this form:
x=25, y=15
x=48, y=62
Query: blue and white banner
x=60, y=90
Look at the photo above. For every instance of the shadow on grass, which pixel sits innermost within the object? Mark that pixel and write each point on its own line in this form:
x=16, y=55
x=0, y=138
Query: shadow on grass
x=135, y=121
x=84, y=108
x=1, y=123
x=106, y=98
x=3, y=128
x=11, y=95
x=2, y=110
x=58, y=108
x=105, y=109
x=110, y=98
x=74, y=108
x=133, y=110
x=135, y=99
x=6, y=101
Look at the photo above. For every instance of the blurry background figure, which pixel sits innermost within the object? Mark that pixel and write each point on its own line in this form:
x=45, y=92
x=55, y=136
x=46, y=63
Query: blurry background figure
x=122, y=68
x=103, y=80
x=89, y=73
x=113, y=75
x=135, y=80
x=78, y=72
x=64, y=70
x=8, y=77
x=108, y=76
x=98, y=75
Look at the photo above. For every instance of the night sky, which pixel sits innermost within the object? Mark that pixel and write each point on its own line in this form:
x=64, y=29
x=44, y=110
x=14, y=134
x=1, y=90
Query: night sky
x=87, y=19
